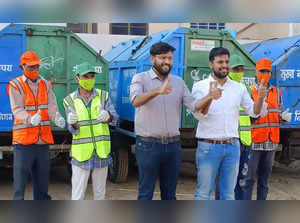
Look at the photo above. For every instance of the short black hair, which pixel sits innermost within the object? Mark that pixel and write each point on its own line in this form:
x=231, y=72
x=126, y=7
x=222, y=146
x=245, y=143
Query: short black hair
x=160, y=48
x=217, y=51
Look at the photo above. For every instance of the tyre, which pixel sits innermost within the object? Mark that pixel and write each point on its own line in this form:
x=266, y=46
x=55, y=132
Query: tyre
x=118, y=169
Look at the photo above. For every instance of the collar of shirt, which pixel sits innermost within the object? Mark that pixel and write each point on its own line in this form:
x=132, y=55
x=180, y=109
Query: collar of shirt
x=227, y=82
x=153, y=75
x=93, y=95
x=27, y=79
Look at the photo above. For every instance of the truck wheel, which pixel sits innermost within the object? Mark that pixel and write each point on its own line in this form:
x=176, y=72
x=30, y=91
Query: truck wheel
x=118, y=169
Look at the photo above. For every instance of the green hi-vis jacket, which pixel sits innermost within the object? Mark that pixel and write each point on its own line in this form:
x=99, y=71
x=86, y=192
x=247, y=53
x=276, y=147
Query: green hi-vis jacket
x=92, y=135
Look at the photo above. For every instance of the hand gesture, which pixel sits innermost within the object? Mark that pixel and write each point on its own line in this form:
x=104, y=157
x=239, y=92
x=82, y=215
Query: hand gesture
x=59, y=120
x=36, y=119
x=166, y=88
x=262, y=89
x=286, y=115
x=214, y=92
x=72, y=117
x=103, y=116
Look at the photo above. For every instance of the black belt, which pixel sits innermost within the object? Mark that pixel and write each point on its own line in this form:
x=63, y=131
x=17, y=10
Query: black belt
x=221, y=142
x=162, y=140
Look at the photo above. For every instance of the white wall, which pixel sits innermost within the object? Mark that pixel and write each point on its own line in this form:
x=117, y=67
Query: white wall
x=104, y=42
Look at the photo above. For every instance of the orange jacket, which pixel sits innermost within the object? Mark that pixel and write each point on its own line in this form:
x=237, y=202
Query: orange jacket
x=27, y=134
x=267, y=127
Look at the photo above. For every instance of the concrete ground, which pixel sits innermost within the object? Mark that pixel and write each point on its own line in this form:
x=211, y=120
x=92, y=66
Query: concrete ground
x=284, y=185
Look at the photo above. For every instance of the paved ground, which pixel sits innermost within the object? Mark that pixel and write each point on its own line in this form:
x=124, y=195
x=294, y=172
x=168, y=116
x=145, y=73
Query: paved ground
x=284, y=185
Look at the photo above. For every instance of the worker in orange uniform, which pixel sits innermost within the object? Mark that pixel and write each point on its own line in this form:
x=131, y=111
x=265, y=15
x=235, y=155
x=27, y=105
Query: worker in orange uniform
x=264, y=133
x=33, y=105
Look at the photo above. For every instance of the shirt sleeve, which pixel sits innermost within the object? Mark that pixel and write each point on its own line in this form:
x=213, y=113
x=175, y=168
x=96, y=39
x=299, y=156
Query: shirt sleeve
x=111, y=109
x=136, y=86
x=17, y=106
x=52, y=105
x=248, y=104
x=188, y=99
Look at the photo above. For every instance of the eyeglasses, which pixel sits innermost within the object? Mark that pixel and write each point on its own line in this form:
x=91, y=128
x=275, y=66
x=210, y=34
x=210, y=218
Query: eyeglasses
x=165, y=58
x=31, y=68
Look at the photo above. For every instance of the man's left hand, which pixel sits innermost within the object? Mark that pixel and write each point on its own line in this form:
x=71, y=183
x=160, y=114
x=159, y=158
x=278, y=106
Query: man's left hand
x=286, y=115
x=59, y=120
x=104, y=116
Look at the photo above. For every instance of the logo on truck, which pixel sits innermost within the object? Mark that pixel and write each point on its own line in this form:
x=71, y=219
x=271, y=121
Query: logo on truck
x=286, y=74
x=6, y=68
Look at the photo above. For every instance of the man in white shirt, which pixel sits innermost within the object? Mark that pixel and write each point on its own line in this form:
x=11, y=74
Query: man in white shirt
x=217, y=132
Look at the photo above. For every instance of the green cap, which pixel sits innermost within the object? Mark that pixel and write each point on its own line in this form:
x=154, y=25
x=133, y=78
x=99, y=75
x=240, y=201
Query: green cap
x=235, y=61
x=84, y=68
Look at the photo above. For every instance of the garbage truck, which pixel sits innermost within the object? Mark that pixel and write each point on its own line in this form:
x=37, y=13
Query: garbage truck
x=61, y=51
x=285, y=55
x=190, y=63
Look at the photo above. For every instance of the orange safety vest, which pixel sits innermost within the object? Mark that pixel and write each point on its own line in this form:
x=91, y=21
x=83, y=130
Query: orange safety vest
x=267, y=127
x=27, y=134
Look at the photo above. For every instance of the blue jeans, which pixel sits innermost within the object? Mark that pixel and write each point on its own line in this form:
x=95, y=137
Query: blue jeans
x=31, y=160
x=260, y=166
x=213, y=159
x=243, y=173
x=239, y=190
x=155, y=161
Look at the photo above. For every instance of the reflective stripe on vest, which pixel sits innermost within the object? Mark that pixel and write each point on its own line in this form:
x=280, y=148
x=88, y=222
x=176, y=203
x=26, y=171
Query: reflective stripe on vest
x=84, y=123
x=265, y=125
x=19, y=86
x=274, y=110
x=89, y=140
x=92, y=134
x=24, y=126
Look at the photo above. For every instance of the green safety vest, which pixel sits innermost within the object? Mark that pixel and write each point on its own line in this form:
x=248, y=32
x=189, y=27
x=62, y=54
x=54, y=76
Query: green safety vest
x=92, y=134
x=244, y=126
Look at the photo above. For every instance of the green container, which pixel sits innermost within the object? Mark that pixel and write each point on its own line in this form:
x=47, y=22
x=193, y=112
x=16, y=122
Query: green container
x=198, y=43
x=61, y=50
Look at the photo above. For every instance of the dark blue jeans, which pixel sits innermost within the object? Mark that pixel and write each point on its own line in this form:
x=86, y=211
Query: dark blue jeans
x=260, y=166
x=31, y=160
x=155, y=161
x=239, y=191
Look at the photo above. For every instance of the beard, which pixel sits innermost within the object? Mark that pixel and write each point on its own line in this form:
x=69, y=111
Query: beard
x=160, y=70
x=220, y=75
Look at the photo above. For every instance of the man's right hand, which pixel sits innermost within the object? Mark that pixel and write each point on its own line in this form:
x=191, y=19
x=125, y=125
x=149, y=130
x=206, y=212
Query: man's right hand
x=72, y=118
x=166, y=88
x=262, y=89
x=214, y=92
x=36, y=119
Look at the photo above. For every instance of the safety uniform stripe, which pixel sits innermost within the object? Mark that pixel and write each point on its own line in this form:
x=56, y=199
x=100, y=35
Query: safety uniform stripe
x=46, y=83
x=24, y=126
x=265, y=125
x=43, y=123
x=87, y=122
x=243, y=113
x=83, y=123
x=245, y=128
x=16, y=82
x=43, y=107
x=70, y=102
x=90, y=140
x=274, y=110
x=30, y=108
